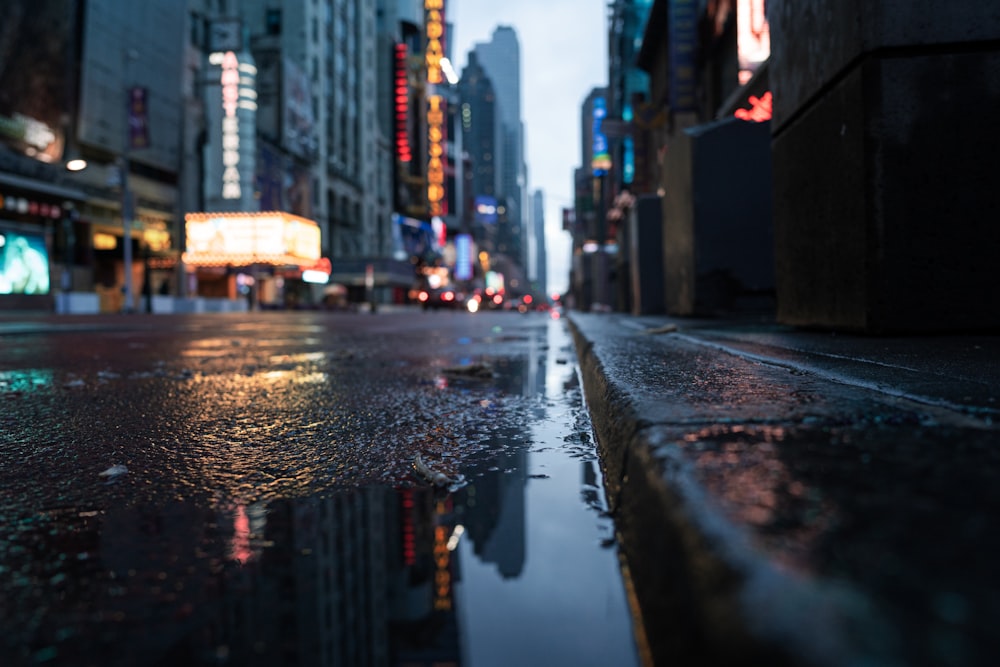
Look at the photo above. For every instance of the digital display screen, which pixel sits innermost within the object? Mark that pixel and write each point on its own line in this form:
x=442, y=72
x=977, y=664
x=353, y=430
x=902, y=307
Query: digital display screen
x=463, y=257
x=24, y=263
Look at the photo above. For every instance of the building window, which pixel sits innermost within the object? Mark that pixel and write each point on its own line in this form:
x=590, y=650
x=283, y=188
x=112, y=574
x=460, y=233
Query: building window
x=272, y=21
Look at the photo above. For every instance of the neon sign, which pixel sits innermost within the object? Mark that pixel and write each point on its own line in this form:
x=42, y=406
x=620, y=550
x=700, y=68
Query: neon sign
x=601, y=160
x=434, y=21
x=230, y=127
x=435, y=150
x=238, y=81
x=435, y=36
x=753, y=37
x=402, y=98
x=759, y=111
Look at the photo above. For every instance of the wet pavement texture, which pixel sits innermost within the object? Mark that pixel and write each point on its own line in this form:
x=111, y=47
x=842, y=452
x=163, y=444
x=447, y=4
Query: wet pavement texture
x=241, y=489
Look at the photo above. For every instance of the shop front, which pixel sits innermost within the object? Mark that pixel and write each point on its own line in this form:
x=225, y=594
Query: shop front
x=38, y=221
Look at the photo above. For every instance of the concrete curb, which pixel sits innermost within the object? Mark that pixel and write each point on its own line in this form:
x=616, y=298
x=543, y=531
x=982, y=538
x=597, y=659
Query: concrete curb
x=706, y=594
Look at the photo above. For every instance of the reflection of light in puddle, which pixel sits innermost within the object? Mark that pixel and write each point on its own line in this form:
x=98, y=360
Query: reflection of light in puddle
x=203, y=353
x=30, y=379
x=298, y=358
x=248, y=521
x=312, y=378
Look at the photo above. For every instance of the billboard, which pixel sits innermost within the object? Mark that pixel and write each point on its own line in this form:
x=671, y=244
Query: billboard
x=486, y=209
x=463, y=257
x=682, y=29
x=24, y=263
x=35, y=40
x=601, y=161
x=753, y=37
x=412, y=237
x=299, y=124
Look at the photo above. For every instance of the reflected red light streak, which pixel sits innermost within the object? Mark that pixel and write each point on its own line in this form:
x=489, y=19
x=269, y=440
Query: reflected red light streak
x=409, y=533
x=239, y=549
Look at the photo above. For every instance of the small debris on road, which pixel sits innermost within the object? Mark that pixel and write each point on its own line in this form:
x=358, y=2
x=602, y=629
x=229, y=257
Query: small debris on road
x=113, y=471
x=666, y=328
x=471, y=370
x=438, y=478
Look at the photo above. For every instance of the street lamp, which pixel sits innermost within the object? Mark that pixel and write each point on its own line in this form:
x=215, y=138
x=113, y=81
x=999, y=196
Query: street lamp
x=75, y=163
x=126, y=203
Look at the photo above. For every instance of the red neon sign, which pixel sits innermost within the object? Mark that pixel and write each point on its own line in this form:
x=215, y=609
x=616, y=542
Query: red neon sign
x=759, y=111
x=401, y=94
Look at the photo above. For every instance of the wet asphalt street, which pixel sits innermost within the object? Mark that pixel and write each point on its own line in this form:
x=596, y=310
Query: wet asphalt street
x=257, y=489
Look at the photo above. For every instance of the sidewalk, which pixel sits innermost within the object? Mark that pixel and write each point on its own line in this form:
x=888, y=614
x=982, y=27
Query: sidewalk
x=795, y=498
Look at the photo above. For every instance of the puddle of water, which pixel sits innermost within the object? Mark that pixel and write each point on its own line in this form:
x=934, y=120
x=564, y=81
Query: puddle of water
x=542, y=586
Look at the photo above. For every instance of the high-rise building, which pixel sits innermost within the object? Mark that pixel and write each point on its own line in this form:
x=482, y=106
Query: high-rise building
x=590, y=266
x=537, y=256
x=340, y=157
x=479, y=130
x=501, y=59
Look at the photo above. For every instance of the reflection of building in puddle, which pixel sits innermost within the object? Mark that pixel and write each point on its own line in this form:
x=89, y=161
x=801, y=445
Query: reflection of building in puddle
x=356, y=578
x=492, y=510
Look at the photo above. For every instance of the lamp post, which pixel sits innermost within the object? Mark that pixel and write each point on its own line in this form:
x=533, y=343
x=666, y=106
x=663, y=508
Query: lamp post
x=126, y=195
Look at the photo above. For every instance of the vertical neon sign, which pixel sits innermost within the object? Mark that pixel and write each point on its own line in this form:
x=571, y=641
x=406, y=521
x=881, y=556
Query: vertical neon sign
x=401, y=95
x=230, y=127
x=753, y=37
x=434, y=21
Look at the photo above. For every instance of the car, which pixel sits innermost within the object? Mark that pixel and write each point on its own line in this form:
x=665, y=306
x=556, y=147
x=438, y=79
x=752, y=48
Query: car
x=443, y=297
x=487, y=299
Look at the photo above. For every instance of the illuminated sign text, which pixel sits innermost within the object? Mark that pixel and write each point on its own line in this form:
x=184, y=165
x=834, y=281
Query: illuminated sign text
x=401, y=92
x=230, y=127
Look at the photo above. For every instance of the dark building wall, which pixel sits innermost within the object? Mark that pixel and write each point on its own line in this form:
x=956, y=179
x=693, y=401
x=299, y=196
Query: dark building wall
x=646, y=252
x=883, y=175
x=719, y=245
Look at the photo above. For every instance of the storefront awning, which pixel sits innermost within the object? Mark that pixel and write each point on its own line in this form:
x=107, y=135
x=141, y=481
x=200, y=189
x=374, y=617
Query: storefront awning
x=44, y=187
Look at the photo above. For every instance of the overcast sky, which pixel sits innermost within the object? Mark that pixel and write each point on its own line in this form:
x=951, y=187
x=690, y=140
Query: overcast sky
x=563, y=57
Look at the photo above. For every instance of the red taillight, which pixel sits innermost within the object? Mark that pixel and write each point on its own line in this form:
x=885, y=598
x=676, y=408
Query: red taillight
x=422, y=296
x=448, y=296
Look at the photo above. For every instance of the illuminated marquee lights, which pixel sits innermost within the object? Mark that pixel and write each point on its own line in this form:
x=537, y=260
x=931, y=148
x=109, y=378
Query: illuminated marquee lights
x=402, y=98
x=435, y=163
x=242, y=239
x=436, y=105
x=442, y=561
x=435, y=38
